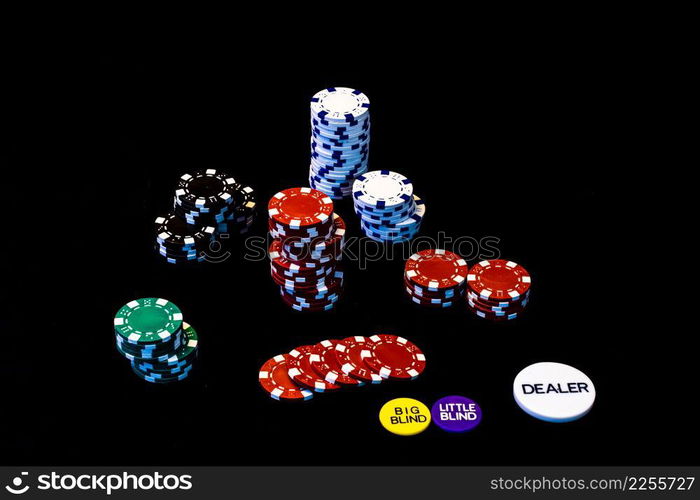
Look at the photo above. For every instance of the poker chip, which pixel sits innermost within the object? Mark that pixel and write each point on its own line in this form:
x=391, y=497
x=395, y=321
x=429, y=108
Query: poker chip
x=382, y=239
x=325, y=363
x=436, y=269
x=275, y=379
x=498, y=280
x=389, y=234
x=425, y=293
x=387, y=208
x=301, y=371
x=316, y=286
x=478, y=305
x=148, y=321
x=340, y=138
x=174, y=233
x=407, y=220
x=310, y=304
x=394, y=357
x=337, y=127
x=498, y=289
x=492, y=316
x=167, y=374
x=435, y=303
x=332, y=365
x=382, y=189
x=349, y=353
x=301, y=208
x=338, y=105
x=449, y=295
x=307, y=242
x=205, y=188
x=304, y=275
x=207, y=204
x=310, y=296
x=278, y=258
x=154, y=379
x=301, y=307
x=150, y=350
x=496, y=304
x=435, y=278
x=152, y=335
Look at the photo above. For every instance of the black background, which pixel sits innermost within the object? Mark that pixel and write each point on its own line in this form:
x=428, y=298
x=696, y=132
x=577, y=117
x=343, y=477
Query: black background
x=519, y=146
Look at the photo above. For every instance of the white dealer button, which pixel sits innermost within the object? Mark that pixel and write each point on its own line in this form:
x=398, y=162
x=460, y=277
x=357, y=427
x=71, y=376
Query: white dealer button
x=553, y=392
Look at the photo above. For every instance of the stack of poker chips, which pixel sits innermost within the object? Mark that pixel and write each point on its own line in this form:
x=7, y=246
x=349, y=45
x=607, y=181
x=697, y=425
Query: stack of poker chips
x=387, y=207
x=207, y=203
x=435, y=278
x=340, y=129
x=335, y=364
x=179, y=242
x=498, y=289
x=211, y=198
x=307, y=242
x=151, y=334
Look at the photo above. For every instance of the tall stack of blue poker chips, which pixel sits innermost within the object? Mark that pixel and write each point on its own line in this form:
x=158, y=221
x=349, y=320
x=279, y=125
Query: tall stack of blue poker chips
x=387, y=208
x=340, y=133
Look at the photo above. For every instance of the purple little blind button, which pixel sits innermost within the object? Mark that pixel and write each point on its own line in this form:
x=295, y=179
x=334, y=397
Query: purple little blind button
x=456, y=414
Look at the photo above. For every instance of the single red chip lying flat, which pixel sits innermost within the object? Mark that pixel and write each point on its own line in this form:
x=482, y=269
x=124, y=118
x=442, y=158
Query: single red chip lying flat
x=436, y=269
x=498, y=280
x=300, y=208
x=394, y=357
x=325, y=363
x=301, y=371
x=350, y=357
x=274, y=379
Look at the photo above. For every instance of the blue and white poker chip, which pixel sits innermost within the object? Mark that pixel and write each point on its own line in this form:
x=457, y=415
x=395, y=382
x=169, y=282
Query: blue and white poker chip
x=382, y=189
x=409, y=221
x=340, y=105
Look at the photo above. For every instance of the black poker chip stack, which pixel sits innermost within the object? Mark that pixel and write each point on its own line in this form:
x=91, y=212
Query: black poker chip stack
x=207, y=203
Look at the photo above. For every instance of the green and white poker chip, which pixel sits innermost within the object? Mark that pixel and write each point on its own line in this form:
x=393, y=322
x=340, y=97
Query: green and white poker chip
x=148, y=320
x=189, y=346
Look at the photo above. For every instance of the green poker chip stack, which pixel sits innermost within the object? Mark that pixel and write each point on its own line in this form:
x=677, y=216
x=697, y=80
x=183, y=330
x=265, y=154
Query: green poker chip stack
x=152, y=335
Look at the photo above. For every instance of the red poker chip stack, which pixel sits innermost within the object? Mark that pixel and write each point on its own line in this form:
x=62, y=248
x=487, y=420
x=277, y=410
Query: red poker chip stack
x=307, y=243
x=335, y=364
x=498, y=289
x=435, y=278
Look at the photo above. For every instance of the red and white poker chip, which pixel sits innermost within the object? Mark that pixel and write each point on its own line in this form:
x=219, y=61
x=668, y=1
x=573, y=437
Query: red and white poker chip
x=349, y=353
x=275, y=380
x=300, y=207
x=436, y=269
x=326, y=364
x=394, y=357
x=301, y=371
x=498, y=279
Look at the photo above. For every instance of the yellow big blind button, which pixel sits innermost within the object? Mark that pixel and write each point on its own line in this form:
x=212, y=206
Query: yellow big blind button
x=405, y=416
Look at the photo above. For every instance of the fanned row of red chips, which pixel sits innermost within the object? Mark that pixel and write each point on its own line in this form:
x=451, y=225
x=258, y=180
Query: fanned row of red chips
x=333, y=364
